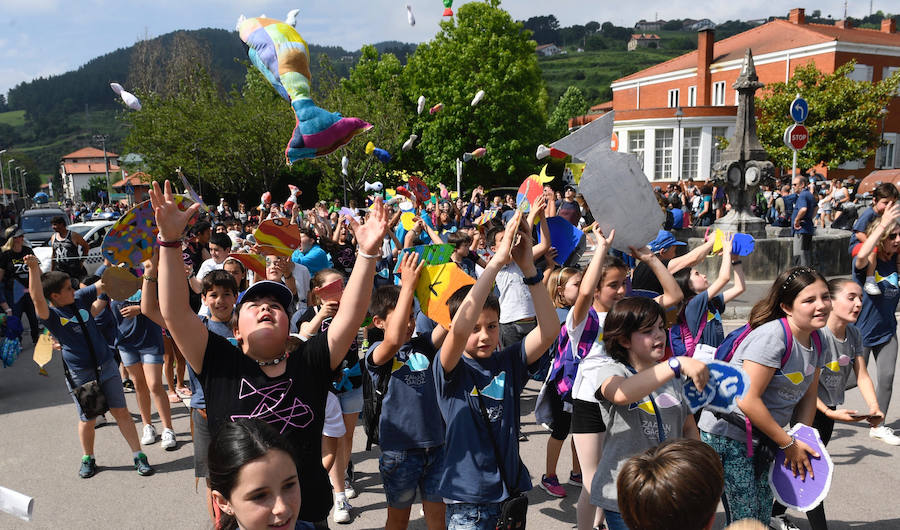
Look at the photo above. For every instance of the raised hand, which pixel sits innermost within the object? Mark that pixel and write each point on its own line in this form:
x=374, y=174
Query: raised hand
x=370, y=235
x=503, y=254
x=170, y=220
x=727, y=243
x=642, y=254
x=537, y=209
x=696, y=370
x=410, y=269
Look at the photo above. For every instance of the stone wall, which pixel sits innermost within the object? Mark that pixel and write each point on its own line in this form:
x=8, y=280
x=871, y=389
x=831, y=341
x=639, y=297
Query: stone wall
x=775, y=253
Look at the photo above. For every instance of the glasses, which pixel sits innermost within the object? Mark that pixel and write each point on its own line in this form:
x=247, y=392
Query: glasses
x=895, y=235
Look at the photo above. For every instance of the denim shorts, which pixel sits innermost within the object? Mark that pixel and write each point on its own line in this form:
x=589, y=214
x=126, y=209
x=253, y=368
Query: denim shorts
x=110, y=383
x=351, y=401
x=471, y=516
x=146, y=357
x=405, y=472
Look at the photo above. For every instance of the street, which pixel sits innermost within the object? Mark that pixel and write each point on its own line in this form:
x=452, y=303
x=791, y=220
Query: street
x=40, y=458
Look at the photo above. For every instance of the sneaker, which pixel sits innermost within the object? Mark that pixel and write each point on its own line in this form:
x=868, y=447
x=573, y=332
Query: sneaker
x=127, y=385
x=871, y=288
x=101, y=420
x=149, y=435
x=781, y=522
x=550, y=484
x=885, y=434
x=341, y=512
x=168, y=440
x=523, y=437
x=575, y=479
x=88, y=467
x=143, y=468
x=349, y=490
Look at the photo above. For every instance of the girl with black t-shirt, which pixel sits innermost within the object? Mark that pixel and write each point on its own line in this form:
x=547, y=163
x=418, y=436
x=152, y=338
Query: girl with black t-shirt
x=15, y=298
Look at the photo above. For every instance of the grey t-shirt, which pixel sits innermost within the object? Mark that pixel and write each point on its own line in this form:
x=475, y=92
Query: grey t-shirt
x=839, y=356
x=765, y=345
x=632, y=428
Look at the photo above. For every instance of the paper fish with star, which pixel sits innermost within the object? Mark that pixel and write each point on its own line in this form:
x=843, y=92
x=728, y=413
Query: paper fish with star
x=436, y=285
x=531, y=189
x=494, y=389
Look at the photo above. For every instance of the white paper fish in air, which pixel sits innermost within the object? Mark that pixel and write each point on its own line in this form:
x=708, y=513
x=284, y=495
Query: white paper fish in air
x=291, y=18
x=421, y=106
x=130, y=99
x=478, y=97
x=410, y=16
x=407, y=145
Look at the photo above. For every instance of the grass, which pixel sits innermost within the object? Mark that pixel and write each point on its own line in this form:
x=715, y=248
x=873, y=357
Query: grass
x=15, y=118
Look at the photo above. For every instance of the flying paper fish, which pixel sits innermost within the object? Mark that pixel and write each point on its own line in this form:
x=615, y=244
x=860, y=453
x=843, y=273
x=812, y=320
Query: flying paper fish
x=421, y=105
x=478, y=97
x=131, y=101
x=376, y=186
x=494, y=389
x=43, y=351
x=531, y=189
x=254, y=262
x=407, y=145
x=445, y=193
x=291, y=18
x=265, y=199
x=543, y=152
x=294, y=197
x=330, y=292
x=436, y=284
x=345, y=164
x=417, y=362
x=381, y=154
x=281, y=54
x=189, y=190
x=447, y=5
x=486, y=216
x=277, y=237
x=478, y=153
x=410, y=16
x=419, y=188
x=437, y=108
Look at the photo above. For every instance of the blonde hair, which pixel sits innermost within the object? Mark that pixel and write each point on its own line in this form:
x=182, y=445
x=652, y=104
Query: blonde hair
x=557, y=280
x=884, y=235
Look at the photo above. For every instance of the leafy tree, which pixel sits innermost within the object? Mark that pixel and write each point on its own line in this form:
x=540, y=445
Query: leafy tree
x=3, y=105
x=843, y=117
x=571, y=104
x=545, y=29
x=673, y=25
x=91, y=192
x=592, y=26
x=481, y=49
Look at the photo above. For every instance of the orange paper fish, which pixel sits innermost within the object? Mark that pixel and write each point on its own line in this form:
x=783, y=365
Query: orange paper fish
x=436, y=285
x=277, y=236
x=254, y=262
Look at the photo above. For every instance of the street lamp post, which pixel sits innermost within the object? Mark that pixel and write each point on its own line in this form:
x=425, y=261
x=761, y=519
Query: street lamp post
x=9, y=172
x=102, y=139
x=2, y=184
x=679, y=113
x=15, y=179
x=881, y=145
x=22, y=184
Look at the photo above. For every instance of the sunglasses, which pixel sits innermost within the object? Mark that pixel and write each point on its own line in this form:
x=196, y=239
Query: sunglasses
x=895, y=235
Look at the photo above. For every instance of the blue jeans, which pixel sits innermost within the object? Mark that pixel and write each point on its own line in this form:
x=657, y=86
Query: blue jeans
x=471, y=516
x=405, y=472
x=614, y=521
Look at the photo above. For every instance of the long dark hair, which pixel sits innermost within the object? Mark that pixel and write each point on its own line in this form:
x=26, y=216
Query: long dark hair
x=683, y=279
x=627, y=316
x=784, y=290
x=234, y=445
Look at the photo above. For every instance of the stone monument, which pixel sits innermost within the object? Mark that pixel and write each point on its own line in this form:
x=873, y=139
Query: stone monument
x=744, y=163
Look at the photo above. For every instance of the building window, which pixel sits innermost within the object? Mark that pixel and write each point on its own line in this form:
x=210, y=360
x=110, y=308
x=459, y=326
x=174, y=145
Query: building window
x=718, y=134
x=692, y=96
x=861, y=72
x=673, y=98
x=663, y=154
x=718, y=94
x=885, y=155
x=690, y=152
x=636, y=145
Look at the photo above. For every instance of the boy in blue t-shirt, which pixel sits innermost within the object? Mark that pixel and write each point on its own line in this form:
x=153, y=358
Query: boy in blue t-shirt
x=474, y=380
x=68, y=319
x=411, y=440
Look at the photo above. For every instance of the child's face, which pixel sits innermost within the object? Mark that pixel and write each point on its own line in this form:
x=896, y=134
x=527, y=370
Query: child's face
x=485, y=335
x=811, y=308
x=847, y=303
x=410, y=325
x=569, y=291
x=235, y=270
x=220, y=302
x=263, y=324
x=267, y=493
x=218, y=253
x=611, y=289
x=65, y=296
x=881, y=205
x=648, y=345
x=462, y=251
x=699, y=281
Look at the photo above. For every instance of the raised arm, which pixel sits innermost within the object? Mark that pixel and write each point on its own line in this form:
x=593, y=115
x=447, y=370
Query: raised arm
x=691, y=258
x=591, y=277
x=358, y=293
x=149, y=294
x=888, y=219
x=34, y=287
x=672, y=293
x=189, y=334
x=625, y=390
x=724, y=269
x=540, y=338
x=395, y=327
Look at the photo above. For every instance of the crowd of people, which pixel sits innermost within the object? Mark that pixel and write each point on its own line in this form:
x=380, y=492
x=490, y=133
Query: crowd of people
x=278, y=373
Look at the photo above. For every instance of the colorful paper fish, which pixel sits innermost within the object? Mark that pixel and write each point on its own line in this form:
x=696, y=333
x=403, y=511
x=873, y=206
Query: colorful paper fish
x=132, y=238
x=430, y=254
x=447, y=5
x=494, y=389
x=277, y=237
x=281, y=54
x=478, y=153
x=487, y=216
x=254, y=262
x=382, y=155
x=435, y=109
x=330, y=292
x=418, y=187
x=543, y=152
x=531, y=189
x=436, y=284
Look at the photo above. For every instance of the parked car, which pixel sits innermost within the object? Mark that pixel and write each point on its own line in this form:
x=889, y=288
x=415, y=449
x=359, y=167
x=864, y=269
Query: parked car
x=93, y=232
x=36, y=225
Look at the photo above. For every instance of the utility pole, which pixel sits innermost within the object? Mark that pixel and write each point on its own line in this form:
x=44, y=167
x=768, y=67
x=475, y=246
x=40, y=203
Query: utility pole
x=102, y=139
x=2, y=184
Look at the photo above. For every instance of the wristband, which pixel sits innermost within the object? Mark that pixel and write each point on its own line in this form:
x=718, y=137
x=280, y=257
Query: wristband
x=169, y=244
x=534, y=280
x=150, y=278
x=789, y=444
x=738, y=262
x=362, y=254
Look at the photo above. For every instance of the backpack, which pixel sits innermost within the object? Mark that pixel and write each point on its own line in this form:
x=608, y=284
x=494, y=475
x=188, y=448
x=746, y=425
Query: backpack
x=690, y=341
x=569, y=356
x=726, y=350
x=373, y=396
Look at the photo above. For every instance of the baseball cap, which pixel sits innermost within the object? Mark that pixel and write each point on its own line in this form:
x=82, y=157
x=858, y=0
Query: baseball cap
x=664, y=239
x=14, y=231
x=276, y=290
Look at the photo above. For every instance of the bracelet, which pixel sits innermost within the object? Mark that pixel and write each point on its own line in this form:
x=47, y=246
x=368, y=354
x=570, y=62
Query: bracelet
x=789, y=444
x=738, y=262
x=169, y=244
x=150, y=278
x=362, y=254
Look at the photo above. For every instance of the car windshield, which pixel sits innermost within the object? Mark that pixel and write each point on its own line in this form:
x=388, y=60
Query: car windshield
x=37, y=223
x=81, y=229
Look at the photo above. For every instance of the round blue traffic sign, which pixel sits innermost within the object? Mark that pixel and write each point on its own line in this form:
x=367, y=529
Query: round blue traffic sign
x=799, y=109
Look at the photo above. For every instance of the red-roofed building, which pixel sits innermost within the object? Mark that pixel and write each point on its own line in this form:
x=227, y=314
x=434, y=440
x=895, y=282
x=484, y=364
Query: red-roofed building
x=643, y=40
x=700, y=82
x=79, y=167
x=140, y=184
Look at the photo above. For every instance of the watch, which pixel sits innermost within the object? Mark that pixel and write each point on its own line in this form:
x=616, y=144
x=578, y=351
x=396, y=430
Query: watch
x=534, y=280
x=675, y=365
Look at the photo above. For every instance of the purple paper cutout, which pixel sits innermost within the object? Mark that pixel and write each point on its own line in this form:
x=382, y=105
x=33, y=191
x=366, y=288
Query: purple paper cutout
x=802, y=495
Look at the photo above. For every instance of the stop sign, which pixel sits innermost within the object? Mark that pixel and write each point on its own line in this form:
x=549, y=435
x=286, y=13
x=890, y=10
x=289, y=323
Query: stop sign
x=798, y=136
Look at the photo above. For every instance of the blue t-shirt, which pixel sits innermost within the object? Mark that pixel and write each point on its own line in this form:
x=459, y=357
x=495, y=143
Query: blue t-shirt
x=63, y=324
x=861, y=225
x=876, y=321
x=806, y=200
x=314, y=260
x=470, y=472
x=222, y=329
x=699, y=308
x=410, y=410
x=136, y=334
x=107, y=323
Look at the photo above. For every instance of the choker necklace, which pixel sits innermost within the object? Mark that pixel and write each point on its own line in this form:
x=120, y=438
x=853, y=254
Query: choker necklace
x=273, y=361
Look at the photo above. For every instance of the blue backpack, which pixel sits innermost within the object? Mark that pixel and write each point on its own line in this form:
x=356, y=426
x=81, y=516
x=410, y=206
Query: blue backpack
x=726, y=350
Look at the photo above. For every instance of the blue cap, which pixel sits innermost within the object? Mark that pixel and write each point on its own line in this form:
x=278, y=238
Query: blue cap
x=664, y=240
x=276, y=290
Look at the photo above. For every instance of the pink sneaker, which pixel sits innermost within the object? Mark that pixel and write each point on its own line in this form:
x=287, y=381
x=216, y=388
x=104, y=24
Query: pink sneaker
x=550, y=484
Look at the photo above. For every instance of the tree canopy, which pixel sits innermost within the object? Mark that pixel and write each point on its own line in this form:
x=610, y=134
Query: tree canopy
x=571, y=104
x=843, y=117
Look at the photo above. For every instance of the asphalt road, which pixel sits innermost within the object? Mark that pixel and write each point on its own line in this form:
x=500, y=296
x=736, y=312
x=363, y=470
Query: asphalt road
x=40, y=456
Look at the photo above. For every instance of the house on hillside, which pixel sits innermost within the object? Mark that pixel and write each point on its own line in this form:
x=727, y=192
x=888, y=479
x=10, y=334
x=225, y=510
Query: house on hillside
x=699, y=84
x=79, y=167
x=647, y=25
x=547, y=50
x=643, y=40
x=698, y=25
x=136, y=184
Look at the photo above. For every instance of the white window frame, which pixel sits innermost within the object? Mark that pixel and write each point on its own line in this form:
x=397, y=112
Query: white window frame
x=861, y=72
x=663, y=154
x=886, y=155
x=690, y=152
x=674, y=96
x=692, y=96
x=715, y=153
x=718, y=99
x=636, y=137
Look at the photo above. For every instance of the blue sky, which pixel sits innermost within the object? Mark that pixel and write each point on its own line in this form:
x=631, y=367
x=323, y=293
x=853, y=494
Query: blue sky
x=46, y=37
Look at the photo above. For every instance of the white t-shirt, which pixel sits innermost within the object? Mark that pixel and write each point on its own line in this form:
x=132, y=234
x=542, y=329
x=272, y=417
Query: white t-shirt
x=207, y=267
x=515, y=299
x=586, y=379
